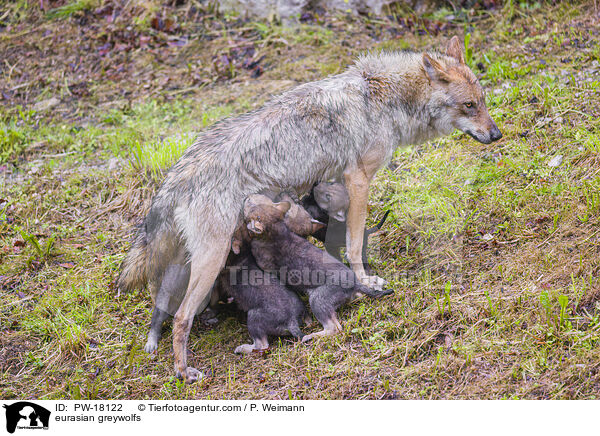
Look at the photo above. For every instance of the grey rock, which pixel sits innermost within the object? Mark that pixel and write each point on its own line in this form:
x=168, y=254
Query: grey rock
x=46, y=104
x=555, y=161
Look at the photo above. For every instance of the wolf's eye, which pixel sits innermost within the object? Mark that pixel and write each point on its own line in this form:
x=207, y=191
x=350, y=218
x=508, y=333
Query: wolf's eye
x=469, y=104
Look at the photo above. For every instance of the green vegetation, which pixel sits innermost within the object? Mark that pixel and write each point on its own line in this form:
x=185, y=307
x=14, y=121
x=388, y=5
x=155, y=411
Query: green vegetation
x=492, y=249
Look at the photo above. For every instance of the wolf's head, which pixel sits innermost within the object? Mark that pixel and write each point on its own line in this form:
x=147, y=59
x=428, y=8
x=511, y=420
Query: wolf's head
x=457, y=96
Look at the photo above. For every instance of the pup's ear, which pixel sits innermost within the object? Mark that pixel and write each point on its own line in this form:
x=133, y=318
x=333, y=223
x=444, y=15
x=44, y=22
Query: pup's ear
x=435, y=71
x=283, y=207
x=316, y=225
x=340, y=215
x=454, y=50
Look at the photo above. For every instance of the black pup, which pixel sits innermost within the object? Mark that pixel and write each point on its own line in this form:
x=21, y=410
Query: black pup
x=328, y=202
x=273, y=310
x=302, y=266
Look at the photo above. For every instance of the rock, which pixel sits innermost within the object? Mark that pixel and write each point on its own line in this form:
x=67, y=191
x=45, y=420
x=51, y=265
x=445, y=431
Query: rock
x=46, y=104
x=290, y=10
x=555, y=161
x=113, y=164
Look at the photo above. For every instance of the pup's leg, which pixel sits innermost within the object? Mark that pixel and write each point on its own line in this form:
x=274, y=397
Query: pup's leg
x=331, y=327
x=205, y=264
x=294, y=329
x=158, y=318
x=357, y=182
x=257, y=329
x=258, y=345
x=323, y=304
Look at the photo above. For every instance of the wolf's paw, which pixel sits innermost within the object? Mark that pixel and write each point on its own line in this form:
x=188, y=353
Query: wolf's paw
x=191, y=375
x=374, y=282
x=244, y=349
x=150, y=346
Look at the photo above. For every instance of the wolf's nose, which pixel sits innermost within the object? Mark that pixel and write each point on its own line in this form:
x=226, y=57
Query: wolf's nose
x=495, y=134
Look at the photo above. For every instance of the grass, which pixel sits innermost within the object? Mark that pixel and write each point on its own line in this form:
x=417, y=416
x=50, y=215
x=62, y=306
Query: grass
x=71, y=8
x=491, y=250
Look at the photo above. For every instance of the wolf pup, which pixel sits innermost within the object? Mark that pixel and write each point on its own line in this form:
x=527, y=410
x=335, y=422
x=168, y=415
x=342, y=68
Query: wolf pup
x=347, y=125
x=328, y=202
x=273, y=310
x=247, y=296
x=302, y=266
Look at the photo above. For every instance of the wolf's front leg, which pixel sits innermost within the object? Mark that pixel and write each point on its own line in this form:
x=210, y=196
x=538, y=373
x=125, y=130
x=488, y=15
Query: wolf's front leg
x=357, y=183
x=205, y=264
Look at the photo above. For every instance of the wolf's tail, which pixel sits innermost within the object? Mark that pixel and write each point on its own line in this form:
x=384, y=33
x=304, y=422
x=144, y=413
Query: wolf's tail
x=378, y=226
x=134, y=274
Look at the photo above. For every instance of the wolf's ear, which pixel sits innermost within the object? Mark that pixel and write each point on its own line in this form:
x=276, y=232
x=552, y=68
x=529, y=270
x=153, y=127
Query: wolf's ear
x=435, y=71
x=455, y=50
x=283, y=207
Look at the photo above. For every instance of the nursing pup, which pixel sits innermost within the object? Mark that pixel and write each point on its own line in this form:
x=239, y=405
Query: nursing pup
x=300, y=265
x=328, y=202
x=273, y=310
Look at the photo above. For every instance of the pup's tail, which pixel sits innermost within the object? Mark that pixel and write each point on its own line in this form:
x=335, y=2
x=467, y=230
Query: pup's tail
x=372, y=292
x=378, y=226
x=134, y=274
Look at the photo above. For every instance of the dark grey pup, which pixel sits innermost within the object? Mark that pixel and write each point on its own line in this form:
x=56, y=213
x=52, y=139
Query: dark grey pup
x=328, y=202
x=302, y=266
x=273, y=310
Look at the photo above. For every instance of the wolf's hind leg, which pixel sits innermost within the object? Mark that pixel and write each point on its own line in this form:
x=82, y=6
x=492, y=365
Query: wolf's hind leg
x=158, y=318
x=205, y=265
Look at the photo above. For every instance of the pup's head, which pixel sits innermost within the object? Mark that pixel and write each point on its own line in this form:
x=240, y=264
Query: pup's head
x=298, y=219
x=261, y=213
x=458, y=96
x=333, y=198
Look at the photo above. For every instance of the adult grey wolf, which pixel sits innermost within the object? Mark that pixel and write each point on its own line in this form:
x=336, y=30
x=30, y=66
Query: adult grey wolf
x=345, y=126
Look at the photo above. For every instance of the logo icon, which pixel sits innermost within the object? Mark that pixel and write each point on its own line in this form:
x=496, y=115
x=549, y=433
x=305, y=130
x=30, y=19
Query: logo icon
x=26, y=415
